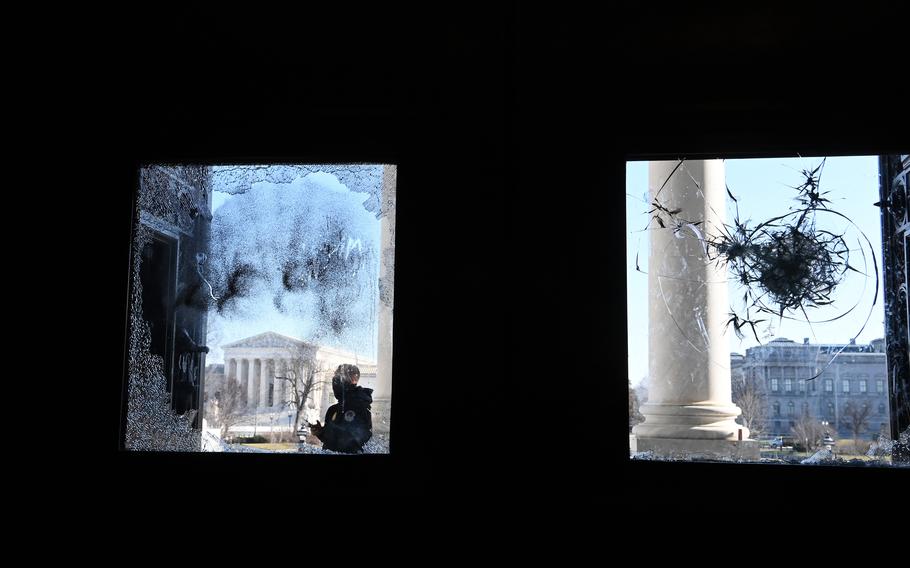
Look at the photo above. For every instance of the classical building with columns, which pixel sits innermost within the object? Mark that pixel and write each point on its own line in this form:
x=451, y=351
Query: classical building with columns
x=258, y=362
x=845, y=375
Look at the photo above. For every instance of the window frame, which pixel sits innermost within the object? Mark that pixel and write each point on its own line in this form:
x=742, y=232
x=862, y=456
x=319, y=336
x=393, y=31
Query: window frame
x=775, y=373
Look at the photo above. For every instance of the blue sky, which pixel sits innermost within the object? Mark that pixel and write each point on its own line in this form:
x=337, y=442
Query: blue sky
x=764, y=190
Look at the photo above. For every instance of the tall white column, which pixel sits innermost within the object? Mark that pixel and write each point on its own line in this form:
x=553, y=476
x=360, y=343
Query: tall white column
x=250, y=385
x=689, y=408
x=268, y=368
x=244, y=366
x=264, y=381
x=276, y=372
x=257, y=381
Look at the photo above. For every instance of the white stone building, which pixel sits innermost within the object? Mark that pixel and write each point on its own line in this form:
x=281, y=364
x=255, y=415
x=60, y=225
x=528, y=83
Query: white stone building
x=259, y=362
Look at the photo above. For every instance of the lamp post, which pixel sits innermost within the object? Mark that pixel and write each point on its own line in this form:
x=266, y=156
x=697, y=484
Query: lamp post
x=827, y=440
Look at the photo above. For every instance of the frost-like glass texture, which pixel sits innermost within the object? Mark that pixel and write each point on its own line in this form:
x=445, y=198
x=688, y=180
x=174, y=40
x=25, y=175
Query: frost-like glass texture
x=261, y=309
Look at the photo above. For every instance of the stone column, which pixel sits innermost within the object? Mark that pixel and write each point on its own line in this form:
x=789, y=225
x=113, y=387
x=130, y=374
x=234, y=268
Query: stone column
x=244, y=379
x=255, y=374
x=276, y=372
x=382, y=392
x=268, y=367
x=250, y=385
x=264, y=382
x=689, y=412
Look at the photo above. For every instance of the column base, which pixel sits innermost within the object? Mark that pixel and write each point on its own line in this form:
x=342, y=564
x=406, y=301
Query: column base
x=703, y=421
x=689, y=448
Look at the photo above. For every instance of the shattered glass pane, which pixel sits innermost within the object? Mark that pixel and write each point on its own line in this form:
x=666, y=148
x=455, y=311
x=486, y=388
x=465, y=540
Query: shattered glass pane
x=763, y=285
x=261, y=309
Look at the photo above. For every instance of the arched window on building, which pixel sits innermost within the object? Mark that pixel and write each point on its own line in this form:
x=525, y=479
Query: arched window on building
x=776, y=410
x=791, y=408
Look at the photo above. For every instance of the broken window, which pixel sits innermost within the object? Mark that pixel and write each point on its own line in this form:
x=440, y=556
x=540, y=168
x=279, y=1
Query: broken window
x=261, y=309
x=735, y=261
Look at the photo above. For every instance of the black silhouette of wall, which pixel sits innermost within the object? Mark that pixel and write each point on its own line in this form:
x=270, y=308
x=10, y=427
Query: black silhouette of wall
x=511, y=129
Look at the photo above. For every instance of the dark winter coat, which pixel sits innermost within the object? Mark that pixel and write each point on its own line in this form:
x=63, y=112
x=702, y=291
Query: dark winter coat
x=348, y=424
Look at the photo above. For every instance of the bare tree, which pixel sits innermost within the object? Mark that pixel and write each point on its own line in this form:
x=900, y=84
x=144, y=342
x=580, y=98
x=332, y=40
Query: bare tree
x=230, y=406
x=635, y=416
x=302, y=380
x=642, y=390
x=749, y=395
x=808, y=432
x=856, y=418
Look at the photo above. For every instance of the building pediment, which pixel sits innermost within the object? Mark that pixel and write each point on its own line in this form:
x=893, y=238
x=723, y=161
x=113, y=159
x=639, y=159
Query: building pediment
x=268, y=339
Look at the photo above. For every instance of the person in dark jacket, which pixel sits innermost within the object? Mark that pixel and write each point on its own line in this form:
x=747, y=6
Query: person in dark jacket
x=348, y=423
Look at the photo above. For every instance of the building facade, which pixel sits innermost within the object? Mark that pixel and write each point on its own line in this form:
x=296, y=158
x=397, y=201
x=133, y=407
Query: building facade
x=848, y=375
x=261, y=363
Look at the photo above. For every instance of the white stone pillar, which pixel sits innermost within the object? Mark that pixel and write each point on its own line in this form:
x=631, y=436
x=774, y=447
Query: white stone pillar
x=250, y=385
x=244, y=368
x=268, y=368
x=257, y=381
x=277, y=371
x=689, y=409
x=263, y=384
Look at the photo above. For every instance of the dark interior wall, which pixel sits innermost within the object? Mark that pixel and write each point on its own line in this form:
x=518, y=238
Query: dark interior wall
x=173, y=300
x=510, y=128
